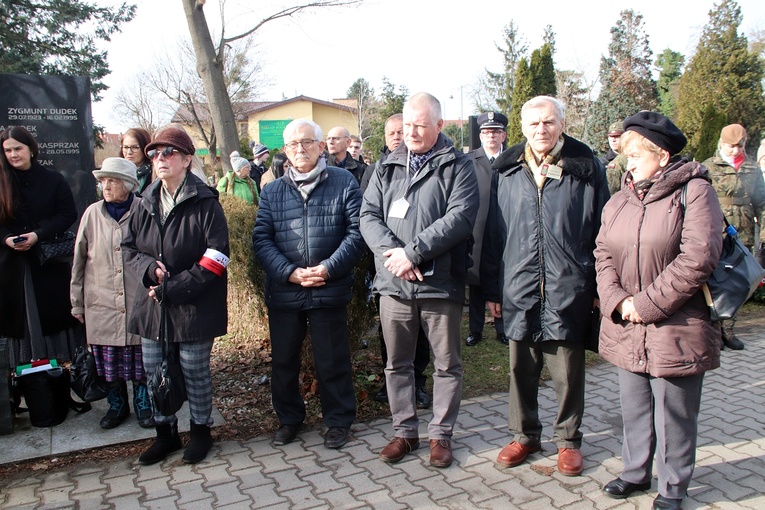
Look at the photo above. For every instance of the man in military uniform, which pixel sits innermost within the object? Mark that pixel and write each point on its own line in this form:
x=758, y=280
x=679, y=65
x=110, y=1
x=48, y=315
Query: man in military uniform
x=492, y=127
x=741, y=192
x=615, y=163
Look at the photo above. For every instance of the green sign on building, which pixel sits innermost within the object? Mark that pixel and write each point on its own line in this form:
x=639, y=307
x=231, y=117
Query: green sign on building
x=271, y=132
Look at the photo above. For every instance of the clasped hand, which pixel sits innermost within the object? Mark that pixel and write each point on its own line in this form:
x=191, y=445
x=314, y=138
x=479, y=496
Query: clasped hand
x=315, y=276
x=627, y=309
x=400, y=265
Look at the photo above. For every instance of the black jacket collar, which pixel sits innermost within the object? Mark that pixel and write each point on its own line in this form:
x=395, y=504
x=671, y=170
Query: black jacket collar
x=576, y=159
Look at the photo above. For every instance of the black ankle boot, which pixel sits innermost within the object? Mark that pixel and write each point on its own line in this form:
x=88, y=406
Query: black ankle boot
x=200, y=444
x=166, y=443
x=118, y=405
x=142, y=405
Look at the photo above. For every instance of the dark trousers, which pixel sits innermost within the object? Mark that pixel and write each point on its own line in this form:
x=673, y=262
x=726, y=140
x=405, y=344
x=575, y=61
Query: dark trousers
x=660, y=418
x=477, y=312
x=565, y=360
x=332, y=357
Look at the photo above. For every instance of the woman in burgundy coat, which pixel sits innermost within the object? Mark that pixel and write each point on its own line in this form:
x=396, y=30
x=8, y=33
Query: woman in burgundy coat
x=653, y=254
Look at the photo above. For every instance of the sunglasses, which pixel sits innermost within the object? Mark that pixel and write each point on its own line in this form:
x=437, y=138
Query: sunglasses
x=167, y=152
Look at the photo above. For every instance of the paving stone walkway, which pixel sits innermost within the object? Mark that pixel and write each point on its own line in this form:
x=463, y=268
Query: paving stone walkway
x=730, y=470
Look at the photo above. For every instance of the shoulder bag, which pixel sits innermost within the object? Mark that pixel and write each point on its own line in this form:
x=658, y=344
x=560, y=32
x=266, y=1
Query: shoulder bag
x=735, y=278
x=85, y=381
x=60, y=248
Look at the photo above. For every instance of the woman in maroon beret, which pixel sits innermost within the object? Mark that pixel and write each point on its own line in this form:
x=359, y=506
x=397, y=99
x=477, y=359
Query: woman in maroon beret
x=177, y=243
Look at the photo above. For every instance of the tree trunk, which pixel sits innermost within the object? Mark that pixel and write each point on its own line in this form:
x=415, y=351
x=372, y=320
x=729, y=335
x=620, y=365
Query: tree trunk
x=210, y=69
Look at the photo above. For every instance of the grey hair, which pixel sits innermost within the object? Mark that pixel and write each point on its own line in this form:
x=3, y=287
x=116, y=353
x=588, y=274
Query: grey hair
x=539, y=101
x=297, y=123
x=433, y=104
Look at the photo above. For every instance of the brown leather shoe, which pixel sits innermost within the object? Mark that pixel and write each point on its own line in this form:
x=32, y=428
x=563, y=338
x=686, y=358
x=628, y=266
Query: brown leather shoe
x=570, y=461
x=515, y=453
x=398, y=447
x=440, y=453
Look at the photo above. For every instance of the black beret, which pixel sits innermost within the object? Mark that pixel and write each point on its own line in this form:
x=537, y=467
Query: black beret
x=657, y=128
x=492, y=120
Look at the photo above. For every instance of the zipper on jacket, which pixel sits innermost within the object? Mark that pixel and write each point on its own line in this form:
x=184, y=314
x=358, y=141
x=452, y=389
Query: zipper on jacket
x=541, y=258
x=305, y=242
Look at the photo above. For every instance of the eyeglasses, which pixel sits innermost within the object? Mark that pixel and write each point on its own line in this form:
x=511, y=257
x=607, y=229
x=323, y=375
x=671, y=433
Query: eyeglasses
x=305, y=144
x=131, y=148
x=167, y=152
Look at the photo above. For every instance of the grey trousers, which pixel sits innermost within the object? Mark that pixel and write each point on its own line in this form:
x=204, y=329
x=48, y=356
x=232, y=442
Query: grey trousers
x=195, y=364
x=660, y=417
x=440, y=319
x=565, y=360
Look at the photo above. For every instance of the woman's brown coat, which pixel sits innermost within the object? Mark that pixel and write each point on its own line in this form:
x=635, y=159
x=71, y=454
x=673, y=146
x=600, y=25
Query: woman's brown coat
x=661, y=254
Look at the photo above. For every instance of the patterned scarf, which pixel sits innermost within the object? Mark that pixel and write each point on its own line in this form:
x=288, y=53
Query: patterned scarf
x=641, y=187
x=416, y=161
x=308, y=181
x=551, y=159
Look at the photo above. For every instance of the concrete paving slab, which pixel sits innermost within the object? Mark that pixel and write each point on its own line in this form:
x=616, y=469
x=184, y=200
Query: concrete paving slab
x=79, y=432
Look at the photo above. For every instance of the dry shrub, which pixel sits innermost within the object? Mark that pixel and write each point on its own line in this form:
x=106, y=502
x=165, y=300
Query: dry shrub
x=247, y=314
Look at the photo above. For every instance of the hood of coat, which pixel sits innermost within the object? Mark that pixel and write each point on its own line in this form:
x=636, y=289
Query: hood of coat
x=576, y=159
x=677, y=174
x=443, y=145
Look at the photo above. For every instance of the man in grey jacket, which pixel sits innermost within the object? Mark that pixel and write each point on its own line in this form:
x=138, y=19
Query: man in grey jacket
x=417, y=217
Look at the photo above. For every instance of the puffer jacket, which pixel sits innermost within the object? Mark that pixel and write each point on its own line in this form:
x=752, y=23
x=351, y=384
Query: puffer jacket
x=437, y=229
x=195, y=296
x=101, y=289
x=537, y=250
x=660, y=254
x=292, y=233
x=741, y=194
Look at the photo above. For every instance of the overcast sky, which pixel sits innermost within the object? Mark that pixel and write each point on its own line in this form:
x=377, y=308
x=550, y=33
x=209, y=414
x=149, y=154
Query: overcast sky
x=426, y=45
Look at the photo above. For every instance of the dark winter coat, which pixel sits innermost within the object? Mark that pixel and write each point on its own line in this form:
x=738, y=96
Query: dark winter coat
x=43, y=204
x=437, y=229
x=661, y=255
x=195, y=296
x=537, y=250
x=292, y=233
x=354, y=166
x=483, y=174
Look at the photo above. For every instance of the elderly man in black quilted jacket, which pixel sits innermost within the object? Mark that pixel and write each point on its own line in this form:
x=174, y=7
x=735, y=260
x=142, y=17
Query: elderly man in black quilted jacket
x=307, y=239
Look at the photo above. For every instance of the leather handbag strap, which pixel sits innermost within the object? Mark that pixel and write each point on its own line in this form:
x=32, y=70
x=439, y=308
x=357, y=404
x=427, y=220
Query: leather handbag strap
x=163, y=334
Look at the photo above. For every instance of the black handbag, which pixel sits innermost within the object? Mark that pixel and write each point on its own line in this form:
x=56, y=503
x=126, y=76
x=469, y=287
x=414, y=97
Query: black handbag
x=734, y=280
x=167, y=384
x=59, y=248
x=85, y=382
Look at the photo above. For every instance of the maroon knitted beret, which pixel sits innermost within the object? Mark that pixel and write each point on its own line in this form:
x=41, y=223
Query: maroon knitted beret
x=173, y=137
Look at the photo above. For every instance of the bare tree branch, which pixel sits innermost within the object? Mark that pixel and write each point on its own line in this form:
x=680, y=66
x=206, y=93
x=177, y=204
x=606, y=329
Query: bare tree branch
x=288, y=12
